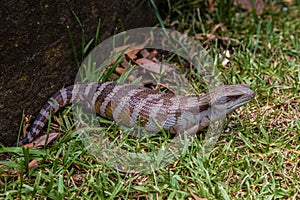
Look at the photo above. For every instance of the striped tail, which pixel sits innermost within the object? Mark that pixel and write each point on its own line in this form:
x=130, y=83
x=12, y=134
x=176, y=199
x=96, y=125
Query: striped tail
x=71, y=94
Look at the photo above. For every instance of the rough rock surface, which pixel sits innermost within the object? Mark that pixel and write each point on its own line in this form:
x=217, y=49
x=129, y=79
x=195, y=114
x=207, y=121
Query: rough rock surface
x=36, y=56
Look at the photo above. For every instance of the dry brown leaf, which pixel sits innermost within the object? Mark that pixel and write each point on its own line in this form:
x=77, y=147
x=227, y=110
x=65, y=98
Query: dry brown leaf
x=33, y=164
x=127, y=50
x=212, y=4
x=132, y=54
x=145, y=53
x=152, y=66
x=259, y=5
x=152, y=54
x=41, y=141
x=120, y=70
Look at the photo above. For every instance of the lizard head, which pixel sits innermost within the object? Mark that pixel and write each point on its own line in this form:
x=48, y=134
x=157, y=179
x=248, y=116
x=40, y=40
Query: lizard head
x=227, y=98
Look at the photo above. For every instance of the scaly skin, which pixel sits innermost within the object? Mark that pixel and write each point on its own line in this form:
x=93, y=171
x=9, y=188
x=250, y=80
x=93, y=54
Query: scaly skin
x=127, y=105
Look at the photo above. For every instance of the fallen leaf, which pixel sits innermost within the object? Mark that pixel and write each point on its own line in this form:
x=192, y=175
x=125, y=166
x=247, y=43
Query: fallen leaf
x=212, y=4
x=153, y=67
x=132, y=54
x=33, y=164
x=259, y=5
x=152, y=54
x=145, y=53
x=120, y=70
x=41, y=141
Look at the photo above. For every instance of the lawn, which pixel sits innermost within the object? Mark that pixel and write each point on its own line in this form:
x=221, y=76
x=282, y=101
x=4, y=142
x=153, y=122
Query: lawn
x=257, y=155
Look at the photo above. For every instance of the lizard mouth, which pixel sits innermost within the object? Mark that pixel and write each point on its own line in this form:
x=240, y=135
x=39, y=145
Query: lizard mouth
x=241, y=100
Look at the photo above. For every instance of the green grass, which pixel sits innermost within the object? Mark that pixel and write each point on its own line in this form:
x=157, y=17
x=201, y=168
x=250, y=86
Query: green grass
x=256, y=157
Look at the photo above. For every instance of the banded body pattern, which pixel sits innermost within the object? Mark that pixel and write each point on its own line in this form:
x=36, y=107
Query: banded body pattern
x=151, y=109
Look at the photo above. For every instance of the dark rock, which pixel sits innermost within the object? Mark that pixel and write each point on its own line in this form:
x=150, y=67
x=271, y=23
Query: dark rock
x=36, y=57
